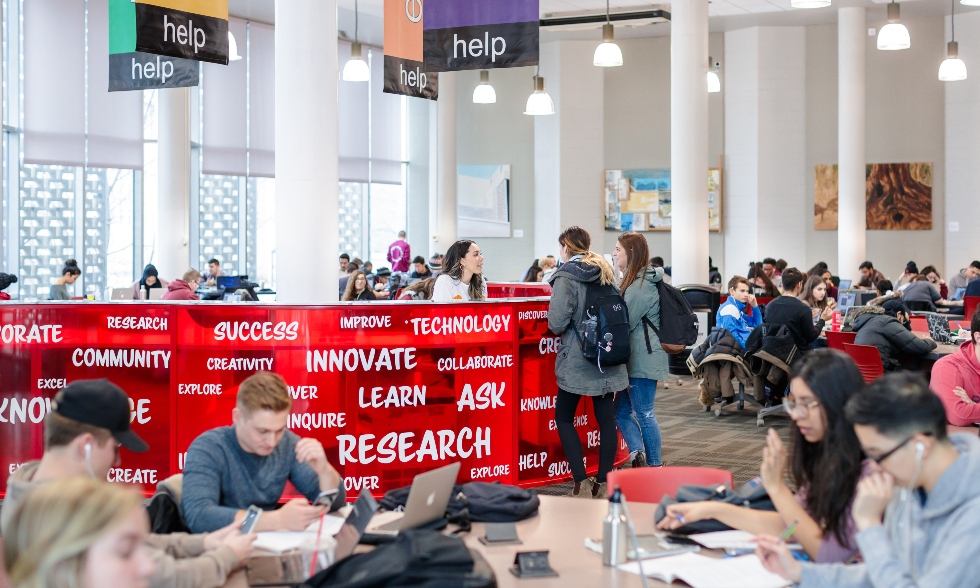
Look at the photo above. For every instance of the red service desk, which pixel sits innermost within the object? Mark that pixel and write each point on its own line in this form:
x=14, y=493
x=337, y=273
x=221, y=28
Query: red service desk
x=390, y=389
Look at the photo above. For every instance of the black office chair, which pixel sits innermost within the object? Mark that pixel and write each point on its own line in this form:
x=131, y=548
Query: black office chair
x=920, y=306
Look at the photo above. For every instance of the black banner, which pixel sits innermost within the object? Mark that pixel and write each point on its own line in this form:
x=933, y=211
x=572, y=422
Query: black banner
x=409, y=78
x=481, y=47
x=164, y=31
x=145, y=71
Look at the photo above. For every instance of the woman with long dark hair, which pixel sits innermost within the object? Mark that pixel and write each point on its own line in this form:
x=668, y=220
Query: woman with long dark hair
x=825, y=465
x=815, y=296
x=648, y=360
x=461, y=279
x=578, y=376
x=761, y=284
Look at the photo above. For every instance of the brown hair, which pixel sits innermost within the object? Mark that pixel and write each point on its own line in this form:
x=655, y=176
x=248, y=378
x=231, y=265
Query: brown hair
x=931, y=269
x=264, y=391
x=807, y=294
x=637, y=254
x=59, y=431
x=452, y=266
x=349, y=292
x=423, y=287
x=578, y=241
x=735, y=281
x=192, y=275
x=757, y=273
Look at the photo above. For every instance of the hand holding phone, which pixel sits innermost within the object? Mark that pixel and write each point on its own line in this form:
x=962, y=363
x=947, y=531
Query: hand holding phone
x=251, y=519
x=326, y=498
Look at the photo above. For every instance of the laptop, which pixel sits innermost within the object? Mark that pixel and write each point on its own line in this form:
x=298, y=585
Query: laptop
x=845, y=301
x=357, y=522
x=844, y=285
x=228, y=282
x=125, y=294
x=157, y=293
x=427, y=501
x=959, y=294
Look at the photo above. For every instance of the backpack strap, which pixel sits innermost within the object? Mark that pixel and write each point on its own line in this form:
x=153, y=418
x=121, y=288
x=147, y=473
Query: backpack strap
x=646, y=335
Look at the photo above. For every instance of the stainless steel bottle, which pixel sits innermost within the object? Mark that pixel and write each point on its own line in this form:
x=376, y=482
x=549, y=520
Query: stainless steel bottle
x=614, y=544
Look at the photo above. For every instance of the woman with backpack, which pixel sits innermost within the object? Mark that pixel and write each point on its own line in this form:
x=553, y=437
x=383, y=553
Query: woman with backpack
x=648, y=360
x=582, y=273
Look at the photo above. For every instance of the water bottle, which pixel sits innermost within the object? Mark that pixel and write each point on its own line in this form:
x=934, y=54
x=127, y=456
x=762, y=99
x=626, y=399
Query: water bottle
x=614, y=532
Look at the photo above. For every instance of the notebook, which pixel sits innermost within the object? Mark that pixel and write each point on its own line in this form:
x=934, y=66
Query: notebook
x=705, y=572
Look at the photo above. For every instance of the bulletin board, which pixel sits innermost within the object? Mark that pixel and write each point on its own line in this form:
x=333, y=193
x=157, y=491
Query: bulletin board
x=640, y=199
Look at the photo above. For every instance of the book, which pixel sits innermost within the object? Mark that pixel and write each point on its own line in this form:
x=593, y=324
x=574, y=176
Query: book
x=699, y=571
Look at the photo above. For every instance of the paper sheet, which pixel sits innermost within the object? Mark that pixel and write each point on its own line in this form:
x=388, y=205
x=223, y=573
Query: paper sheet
x=725, y=540
x=704, y=572
x=281, y=542
x=331, y=525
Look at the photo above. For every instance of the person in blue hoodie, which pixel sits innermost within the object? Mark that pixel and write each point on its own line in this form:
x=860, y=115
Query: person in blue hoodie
x=918, y=515
x=740, y=313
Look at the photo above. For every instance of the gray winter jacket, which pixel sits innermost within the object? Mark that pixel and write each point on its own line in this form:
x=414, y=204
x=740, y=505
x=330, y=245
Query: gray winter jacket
x=643, y=299
x=934, y=545
x=892, y=339
x=575, y=373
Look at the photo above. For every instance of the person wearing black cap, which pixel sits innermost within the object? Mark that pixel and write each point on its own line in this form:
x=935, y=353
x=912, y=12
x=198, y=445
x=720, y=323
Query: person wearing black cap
x=5, y=281
x=88, y=423
x=889, y=328
x=911, y=270
x=381, y=285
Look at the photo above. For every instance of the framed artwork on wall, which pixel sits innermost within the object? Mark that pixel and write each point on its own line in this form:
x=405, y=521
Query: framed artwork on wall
x=640, y=199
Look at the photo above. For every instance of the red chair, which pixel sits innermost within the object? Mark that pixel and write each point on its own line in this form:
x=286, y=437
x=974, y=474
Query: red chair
x=970, y=304
x=651, y=484
x=868, y=360
x=920, y=324
x=837, y=339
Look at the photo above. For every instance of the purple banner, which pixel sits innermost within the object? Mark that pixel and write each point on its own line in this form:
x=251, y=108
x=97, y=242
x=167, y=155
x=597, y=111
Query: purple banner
x=466, y=34
x=448, y=14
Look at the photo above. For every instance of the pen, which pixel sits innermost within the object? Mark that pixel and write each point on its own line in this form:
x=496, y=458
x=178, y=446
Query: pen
x=789, y=531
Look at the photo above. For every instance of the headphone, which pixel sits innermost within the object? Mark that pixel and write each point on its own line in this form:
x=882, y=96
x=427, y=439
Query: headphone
x=919, y=450
x=88, y=451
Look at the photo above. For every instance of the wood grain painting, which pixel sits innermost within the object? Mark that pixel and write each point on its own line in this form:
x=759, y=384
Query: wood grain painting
x=898, y=197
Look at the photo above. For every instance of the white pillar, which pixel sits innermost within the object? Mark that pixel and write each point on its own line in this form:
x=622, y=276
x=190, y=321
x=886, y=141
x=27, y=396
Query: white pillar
x=689, y=141
x=442, y=187
x=307, y=239
x=852, y=223
x=173, y=218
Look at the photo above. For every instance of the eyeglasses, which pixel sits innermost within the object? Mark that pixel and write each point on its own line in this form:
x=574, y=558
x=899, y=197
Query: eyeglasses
x=888, y=454
x=800, y=408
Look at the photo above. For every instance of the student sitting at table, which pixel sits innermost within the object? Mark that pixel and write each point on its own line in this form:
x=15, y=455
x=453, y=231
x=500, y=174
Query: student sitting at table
x=922, y=293
x=228, y=469
x=816, y=296
x=762, y=286
x=740, y=313
x=889, y=328
x=956, y=379
x=965, y=276
x=803, y=322
x=932, y=274
x=918, y=515
x=869, y=276
x=825, y=465
x=358, y=289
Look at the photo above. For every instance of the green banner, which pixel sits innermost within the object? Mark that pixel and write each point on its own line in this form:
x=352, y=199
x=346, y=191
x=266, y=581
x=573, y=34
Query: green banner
x=130, y=69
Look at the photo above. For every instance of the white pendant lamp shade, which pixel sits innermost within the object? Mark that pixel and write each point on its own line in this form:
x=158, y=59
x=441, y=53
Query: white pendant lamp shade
x=233, y=48
x=608, y=53
x=970, y=2
x=809, y=3
x=714, y=83
x=539, y=103
x=893, y=36
x=356, y=69
x=484, y=93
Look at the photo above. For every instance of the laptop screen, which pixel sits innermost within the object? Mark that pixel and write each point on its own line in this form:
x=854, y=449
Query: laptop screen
x=959, y=294
x=844, y=285
x=357, y=521
x=228, y=282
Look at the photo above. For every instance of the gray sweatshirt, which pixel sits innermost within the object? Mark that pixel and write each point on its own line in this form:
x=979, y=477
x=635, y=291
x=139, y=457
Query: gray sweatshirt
x=931, y=545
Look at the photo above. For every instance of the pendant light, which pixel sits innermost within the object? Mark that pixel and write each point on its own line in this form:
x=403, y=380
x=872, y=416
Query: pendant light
x=356, y=69
x=970, y=2
x=809, y=3
x=484, y=93
x=952, y=69
x=608, y=53
x=233, y=48
x=714, y=82
x=539, y=103
x=893, y=36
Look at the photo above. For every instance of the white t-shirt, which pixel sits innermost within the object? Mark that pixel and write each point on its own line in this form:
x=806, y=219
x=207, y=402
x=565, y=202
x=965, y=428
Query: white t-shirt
x=449, y=289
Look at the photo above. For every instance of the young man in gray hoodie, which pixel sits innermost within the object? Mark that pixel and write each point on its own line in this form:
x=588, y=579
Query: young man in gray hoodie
x=918, y=516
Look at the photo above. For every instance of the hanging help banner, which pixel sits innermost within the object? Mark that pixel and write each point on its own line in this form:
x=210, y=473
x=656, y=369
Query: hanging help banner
x=130, y=69
x=404, y=68
x=192, y=29
x=476, y=34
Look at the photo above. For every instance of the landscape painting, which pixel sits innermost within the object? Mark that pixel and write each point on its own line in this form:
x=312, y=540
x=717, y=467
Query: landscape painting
x=898, y=197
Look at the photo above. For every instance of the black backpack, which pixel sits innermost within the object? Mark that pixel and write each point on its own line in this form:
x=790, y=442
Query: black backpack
x=678, y=323
x=605, y=329
x=480, y=502
x=752, y=495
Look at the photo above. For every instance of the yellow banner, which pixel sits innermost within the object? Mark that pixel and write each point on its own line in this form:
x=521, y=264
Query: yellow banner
x=212, y=8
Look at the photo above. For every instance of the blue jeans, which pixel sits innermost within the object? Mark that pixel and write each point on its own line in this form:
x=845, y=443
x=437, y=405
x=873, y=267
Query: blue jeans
x=636, y=421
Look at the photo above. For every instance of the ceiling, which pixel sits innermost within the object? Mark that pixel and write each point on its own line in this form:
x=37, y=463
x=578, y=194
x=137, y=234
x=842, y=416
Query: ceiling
x=725, y=14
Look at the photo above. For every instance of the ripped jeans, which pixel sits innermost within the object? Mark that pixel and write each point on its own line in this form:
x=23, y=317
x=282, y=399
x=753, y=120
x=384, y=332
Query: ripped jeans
x=636, y=421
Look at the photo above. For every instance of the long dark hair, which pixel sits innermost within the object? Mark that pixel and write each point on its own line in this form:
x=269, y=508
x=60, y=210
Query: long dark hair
x=807, y=294
x=637, y=254
x=829, y=469
x=452, y=266
x=755, y=272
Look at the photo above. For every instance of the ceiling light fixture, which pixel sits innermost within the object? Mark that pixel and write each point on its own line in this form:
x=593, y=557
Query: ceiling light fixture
x=539, y=103
x=952, y=69
x=356, y=69
x=714, y=82
x=809, y=3
x=608, y=53
x=893, y=36
x=970, y=2
x=484, y=93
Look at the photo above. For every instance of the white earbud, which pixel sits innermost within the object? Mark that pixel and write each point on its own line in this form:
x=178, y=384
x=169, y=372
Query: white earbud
x=919, y=450
x=88, y=451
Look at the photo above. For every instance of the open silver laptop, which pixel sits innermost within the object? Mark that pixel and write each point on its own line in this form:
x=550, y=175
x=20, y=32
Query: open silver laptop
x=427, y=501
x=157, y=293
x=121, y=294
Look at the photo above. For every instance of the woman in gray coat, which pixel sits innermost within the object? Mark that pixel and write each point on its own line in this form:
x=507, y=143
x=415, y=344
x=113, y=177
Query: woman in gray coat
x=648, y=360
x=577, y=376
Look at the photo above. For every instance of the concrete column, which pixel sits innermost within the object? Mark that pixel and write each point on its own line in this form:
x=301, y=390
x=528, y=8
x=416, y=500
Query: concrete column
x=418, y=176
x=307, y=74
x=689, y=141
x=442, y=186
x=852, y=223
x=173, y=218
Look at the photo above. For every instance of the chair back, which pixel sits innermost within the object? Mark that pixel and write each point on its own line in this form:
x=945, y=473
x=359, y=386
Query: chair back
x=920, y=306
x=836, y=339
x=651, y=484
x=920, y=324
x=970, y=304
x=868, y=360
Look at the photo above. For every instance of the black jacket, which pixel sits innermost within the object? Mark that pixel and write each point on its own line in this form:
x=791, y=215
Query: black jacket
x=797, y=317
x=874, y=327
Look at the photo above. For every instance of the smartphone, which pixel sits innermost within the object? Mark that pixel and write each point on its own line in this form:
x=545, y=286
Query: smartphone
x=678, y=539
x=326, y=497
x=251, y=519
